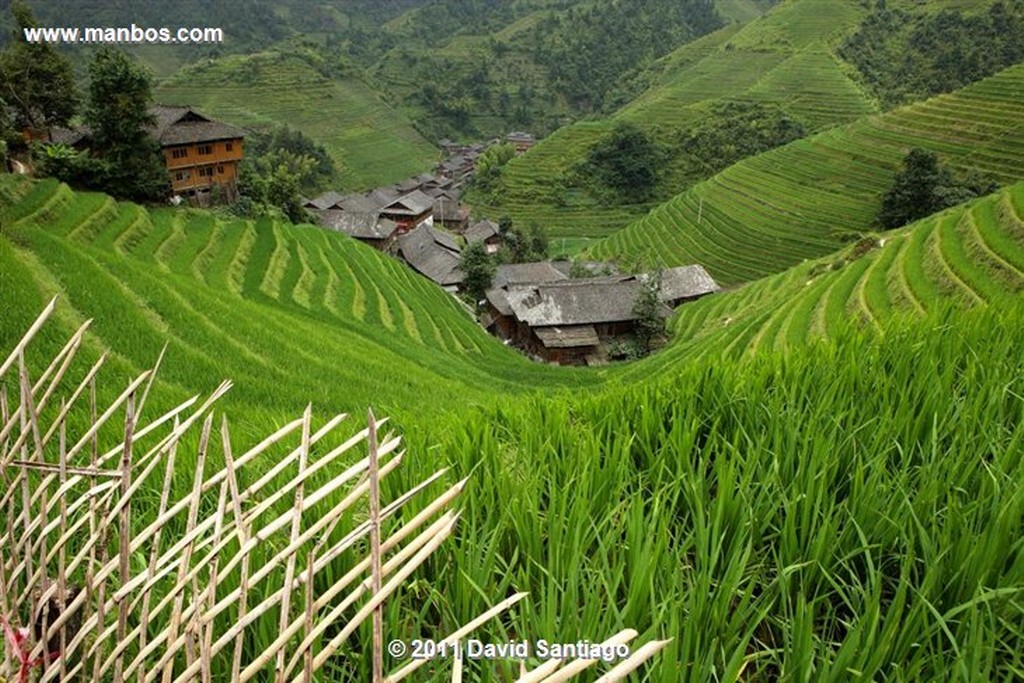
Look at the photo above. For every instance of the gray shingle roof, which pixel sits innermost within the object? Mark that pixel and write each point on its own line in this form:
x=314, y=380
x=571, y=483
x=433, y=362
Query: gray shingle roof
x=686, y=282
x=481, y=231
x=432, y=253
x=569, y=337
x=575, y=302
x=184, y=126
x=414, y=203
x=367, y=226
x=172, y=126
x=326, y=201
x=511, y=274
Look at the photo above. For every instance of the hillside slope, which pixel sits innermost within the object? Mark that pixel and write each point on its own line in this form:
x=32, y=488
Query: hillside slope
x=292, y=313
x=371, y=143
x=784, y=60
x=965, y=257
x=806, y=199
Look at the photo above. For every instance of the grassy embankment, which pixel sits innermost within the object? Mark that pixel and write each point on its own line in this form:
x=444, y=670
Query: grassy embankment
x=784, y=59
x=806, y=199
x=805, y=510
x=371, y=143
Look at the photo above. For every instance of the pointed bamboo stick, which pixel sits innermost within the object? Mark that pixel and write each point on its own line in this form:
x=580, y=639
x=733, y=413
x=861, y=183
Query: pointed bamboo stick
x=21, y=345
x=289, y=572
x=377, y=644
x=124, y=528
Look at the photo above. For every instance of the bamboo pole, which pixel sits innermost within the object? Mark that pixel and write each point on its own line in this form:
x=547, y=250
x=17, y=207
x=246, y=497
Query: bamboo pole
x=296, y=530
x=375, y=573
x=124, y=528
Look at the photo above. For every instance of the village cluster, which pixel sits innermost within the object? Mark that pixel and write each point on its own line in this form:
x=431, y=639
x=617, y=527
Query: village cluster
x=540, y=307
x=543, y=308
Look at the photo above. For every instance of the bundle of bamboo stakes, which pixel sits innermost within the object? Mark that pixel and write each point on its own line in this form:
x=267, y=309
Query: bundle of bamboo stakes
x=86, y=594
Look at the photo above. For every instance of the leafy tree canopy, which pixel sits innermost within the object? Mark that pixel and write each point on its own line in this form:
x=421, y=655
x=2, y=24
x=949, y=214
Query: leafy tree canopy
x=627, y=162
x=118, y=113
x=478, y=269
x=36, y=81
x=903, y=56
x=924, y=187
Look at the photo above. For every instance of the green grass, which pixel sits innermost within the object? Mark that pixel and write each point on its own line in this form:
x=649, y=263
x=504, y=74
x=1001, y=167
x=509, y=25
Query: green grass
x=371, y=143
x=963, y=256
x=803, y=200
x=850, y=501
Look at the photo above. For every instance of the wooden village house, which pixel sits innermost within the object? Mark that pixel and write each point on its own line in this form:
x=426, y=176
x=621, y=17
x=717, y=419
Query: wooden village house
x=485, y=231
x=199, y=152
x=434, y=254
x=572, y=321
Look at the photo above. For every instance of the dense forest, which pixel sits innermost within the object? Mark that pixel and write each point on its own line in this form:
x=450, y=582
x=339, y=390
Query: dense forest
x=904, y=57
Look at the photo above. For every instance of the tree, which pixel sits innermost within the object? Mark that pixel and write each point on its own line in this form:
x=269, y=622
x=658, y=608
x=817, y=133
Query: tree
x=627, y=162
x=650, y=325
x=924, y=187
x=118, y=112
x=36, y=81
x=478, y=271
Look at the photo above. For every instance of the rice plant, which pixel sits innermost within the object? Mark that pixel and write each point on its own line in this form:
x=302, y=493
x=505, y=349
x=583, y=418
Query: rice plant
x=106, y=573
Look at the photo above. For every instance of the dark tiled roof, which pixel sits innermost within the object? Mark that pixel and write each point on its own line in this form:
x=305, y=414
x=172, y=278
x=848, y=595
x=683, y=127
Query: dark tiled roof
x=185, y=126
x=326, y=201
x=569, y=337
x=575, y=302
x=511, y=274
x=685, y=282
x=433, y=254
x=415, y=203
x=365, y=226
x=481, y=231
x=69, y=136
x=172, y=126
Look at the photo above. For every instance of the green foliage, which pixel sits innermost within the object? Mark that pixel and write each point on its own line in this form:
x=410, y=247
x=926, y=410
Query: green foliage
x=518, y=246
x=271, y=186
x=592, y=47
x=478, y=269
x=924, y=187
x=733, y=131
x=74, y=167
x=299, y=153
x=903, y=56
x=650, y=324
x=489, y=165
x=627, y=162
x=36, y=81
x=118, y=114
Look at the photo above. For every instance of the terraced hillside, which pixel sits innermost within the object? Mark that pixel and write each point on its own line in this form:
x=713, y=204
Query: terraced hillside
x=967, y=256
x=287, y=312
x=371, y=143
x=805, y=200
x=784, y=59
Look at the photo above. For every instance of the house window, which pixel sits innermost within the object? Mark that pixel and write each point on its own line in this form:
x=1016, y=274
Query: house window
x=228, y=146
x=206, y=149
x=206, y=172
x=179, y=153
x=181, y=175
x=220, y=170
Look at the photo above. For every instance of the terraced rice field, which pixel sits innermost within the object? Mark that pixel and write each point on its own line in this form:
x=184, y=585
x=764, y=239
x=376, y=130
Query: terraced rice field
x=286, y=311
x=968, y=256
x=371, y=143
x=805, y=200
x=784, y=59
